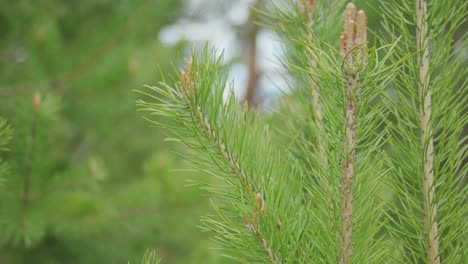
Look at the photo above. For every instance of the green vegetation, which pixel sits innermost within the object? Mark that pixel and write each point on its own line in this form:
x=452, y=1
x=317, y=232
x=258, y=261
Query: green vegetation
x=364, y=160
x=83, y=180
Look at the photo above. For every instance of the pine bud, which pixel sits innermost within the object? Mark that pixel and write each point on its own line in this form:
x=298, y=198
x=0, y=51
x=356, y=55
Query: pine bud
x=343, y=44
x=350, y=14
x=132, y=66
x=354, y=34
x=258, y=199
x=187, y=81
x=361, y=22
x=248, y=225
x=279, y=224
x=40, y=34
x=308, y=5
x=350, y=33
x=361, y=36
x=93, y=165
x=37, y=102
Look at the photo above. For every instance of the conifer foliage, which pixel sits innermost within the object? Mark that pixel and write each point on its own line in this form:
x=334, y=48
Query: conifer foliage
x=428, y=109
x=29, y=195
x=309, y=183
x=81, y=180
x=5, y=137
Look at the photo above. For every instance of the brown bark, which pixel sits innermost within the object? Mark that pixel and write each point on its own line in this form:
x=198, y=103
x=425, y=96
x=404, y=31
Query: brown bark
x=253, y=74
x=348, y=173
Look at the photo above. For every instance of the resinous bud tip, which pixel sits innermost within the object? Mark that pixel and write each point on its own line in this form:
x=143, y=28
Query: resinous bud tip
x=187, y=80
x=350, y=12
x=354, y=33
x=343, y=44
x=309, y=4
x=258, y=199
x=361, y=22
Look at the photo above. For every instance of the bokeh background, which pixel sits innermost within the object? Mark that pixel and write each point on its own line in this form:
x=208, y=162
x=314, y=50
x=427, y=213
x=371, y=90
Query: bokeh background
x=85, y=178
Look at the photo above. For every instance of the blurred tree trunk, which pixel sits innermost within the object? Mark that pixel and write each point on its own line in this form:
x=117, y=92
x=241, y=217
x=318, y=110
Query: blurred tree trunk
x=253, y=73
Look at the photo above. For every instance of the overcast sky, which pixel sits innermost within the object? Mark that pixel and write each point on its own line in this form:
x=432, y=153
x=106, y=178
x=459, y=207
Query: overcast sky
x=202, y=22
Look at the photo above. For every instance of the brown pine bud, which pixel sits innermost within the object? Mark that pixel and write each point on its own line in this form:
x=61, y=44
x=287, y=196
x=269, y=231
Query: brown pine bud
x=361, y=36
x=349, y=28
x=354, y=34
x=361, y=23
x=343, y=44
x=40, y=34
x=93, y=165
x=248, y=225
x=279, y=224
x=309, y=6
x=132, y=65
x=258, y=200
x=255, y=217
x=187, y=81
x=37, y=102
x=350, y=33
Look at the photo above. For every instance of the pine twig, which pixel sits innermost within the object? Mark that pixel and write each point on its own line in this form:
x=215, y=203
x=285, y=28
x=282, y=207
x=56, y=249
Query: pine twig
x=354, y=35
x=431, y=228
x=188, y=91
x=309, y=9
x=108, y=45
x=30, y=149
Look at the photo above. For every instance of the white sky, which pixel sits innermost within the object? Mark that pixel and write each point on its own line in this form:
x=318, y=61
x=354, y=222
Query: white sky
x=218, y=30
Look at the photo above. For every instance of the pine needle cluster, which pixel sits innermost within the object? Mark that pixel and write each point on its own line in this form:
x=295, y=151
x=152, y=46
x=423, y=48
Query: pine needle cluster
x=361, y=163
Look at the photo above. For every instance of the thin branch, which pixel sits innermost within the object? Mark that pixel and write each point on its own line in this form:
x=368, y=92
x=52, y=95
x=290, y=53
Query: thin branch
x=230, y=160
x=355, y=61
x=108, y=45
x=30, y=149
x=188, y=91
x=309, y=9
x=431, y=228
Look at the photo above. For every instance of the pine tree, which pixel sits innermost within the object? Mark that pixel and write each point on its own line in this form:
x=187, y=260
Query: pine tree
x=82, y=180
x=36, y=206
x=310, y=184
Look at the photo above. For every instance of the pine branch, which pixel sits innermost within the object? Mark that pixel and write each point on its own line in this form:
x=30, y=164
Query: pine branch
x=233, y=146
x=353, y=48
x=5, y=138
x=428, y=117
x=289, y=219
x=30, y=150
x=5, y=134
x=332, y=71
x=309, y=9
x=427, y=141
x=188, y=90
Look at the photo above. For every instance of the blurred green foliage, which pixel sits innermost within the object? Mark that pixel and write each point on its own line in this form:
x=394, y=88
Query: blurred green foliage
x=99, y=188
